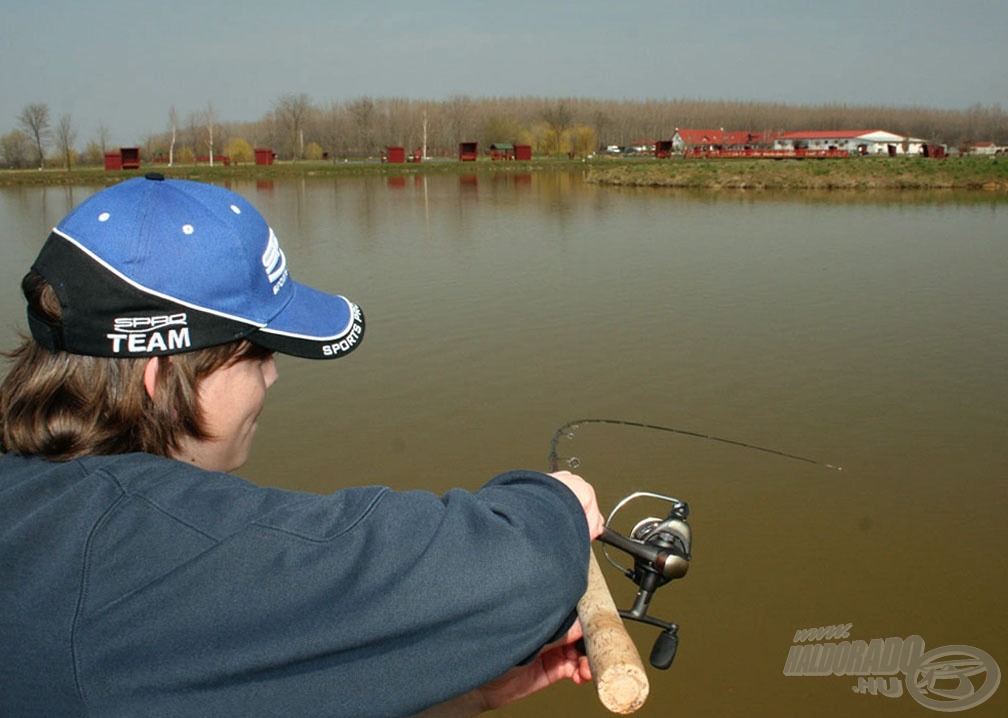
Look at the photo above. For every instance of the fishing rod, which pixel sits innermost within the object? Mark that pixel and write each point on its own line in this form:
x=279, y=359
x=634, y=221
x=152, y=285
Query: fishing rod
x=573, y=462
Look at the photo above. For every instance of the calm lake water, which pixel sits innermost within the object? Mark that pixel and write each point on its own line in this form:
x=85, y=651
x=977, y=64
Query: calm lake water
x=863, y=331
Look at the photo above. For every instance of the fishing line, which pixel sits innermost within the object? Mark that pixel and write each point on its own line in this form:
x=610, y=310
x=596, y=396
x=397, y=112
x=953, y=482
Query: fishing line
x=571, y=426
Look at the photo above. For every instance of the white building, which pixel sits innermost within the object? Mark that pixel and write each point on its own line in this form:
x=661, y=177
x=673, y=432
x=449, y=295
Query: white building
x=986, y=148
x=866, y=142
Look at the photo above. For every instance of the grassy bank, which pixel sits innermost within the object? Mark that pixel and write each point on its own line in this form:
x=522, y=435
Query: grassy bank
x=252, y=172
x=860, y=174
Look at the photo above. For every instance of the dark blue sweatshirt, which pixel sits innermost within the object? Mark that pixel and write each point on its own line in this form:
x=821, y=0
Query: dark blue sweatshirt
x=140, y=586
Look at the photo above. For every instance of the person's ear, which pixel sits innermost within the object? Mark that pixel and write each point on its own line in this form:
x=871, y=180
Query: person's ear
x=150, y=376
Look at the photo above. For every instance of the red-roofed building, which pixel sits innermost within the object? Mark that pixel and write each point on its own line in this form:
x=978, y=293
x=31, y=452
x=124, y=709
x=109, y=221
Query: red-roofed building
x=689, y=139
x=984, y=148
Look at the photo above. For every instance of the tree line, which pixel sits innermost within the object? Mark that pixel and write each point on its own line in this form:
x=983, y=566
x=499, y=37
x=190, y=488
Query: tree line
x=296, y=127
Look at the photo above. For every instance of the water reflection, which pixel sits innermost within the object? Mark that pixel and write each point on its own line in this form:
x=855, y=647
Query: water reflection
x=861, y=330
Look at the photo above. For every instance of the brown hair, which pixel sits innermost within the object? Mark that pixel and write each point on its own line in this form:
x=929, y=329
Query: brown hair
x=64, y=406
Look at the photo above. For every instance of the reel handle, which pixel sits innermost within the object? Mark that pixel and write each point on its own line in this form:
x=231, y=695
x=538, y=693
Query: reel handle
x=665, y=647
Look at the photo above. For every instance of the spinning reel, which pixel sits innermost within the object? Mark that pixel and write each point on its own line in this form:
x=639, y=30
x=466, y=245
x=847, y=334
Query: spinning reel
x=661, y=552
x=660, y=547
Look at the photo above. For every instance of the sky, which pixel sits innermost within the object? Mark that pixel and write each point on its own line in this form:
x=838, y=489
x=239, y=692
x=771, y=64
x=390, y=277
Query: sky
x=123, y=65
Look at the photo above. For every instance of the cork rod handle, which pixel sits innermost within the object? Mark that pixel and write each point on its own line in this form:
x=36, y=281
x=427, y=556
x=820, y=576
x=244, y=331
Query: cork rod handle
x=616, y=665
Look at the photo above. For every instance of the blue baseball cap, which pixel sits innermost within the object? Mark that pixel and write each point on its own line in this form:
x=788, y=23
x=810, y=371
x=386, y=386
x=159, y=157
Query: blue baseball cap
x=154, y=266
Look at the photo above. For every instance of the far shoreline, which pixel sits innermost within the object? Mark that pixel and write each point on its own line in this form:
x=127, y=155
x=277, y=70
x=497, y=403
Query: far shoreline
x=969, y=173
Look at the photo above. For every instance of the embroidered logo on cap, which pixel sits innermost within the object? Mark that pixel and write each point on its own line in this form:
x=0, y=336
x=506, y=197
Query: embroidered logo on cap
x=143, y=335
x=274, y=262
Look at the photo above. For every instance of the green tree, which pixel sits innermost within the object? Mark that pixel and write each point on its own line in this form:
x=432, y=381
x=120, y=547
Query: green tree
x=15, y=149
x=313, y=151
x=583, y=140
x=500, y=129
x=552, y=140
x=558, y=119
x=239, y=150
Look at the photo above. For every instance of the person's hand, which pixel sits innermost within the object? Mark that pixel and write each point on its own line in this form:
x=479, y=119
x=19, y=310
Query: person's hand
x=586, y=495
x=556, y=662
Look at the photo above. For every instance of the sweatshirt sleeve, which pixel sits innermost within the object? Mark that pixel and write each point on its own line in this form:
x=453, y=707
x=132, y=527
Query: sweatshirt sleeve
x=364, y=602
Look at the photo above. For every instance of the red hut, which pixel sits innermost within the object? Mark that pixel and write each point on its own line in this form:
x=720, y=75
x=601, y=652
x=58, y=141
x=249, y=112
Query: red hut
x=395, y=155
x=502, y=151
x=125, y=158
x=130, y=157
x=468, y=151
x=264, y=156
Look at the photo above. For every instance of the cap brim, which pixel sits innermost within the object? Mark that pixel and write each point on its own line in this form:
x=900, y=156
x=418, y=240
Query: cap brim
x=313, y=325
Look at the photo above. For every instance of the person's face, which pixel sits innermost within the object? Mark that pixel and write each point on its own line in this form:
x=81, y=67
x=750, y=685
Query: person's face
x=231, y=399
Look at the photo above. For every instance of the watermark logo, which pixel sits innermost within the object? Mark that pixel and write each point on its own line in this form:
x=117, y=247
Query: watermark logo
x=947, y=679
x=943, y=678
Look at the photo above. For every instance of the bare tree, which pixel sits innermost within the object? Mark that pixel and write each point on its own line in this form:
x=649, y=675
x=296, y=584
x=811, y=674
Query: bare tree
x=331, y=128
x=398, y=123
x=92, y=155
x=209, y=118
x=34, y=118
x=362, y=111
x=194, y=122
x=459, y=110
x=292, y=111
x=559, y=116
x=173, y=122
x=66, y=135
x=103, y=135
x=355, y=128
